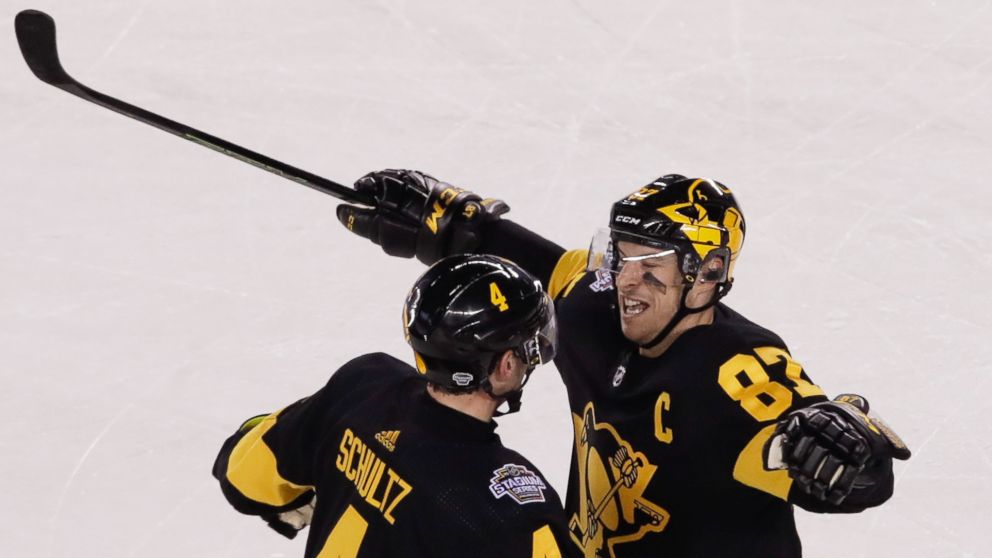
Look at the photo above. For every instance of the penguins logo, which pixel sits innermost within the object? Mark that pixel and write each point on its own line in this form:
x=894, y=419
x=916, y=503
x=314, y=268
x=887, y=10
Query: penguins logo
x=699, y=227
x=612, y=478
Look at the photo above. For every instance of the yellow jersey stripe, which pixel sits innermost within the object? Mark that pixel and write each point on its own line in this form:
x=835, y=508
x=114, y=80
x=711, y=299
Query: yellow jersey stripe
x=750, y=467
x=252, y=469
x=570, y=267
x=544, y=545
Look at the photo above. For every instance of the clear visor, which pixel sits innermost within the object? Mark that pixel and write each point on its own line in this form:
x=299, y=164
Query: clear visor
x=601, y=251
x=604, y=255
x=541, y=348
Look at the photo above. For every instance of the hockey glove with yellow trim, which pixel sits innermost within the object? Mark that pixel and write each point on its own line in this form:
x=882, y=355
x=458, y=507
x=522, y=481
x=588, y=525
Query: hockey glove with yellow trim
x=418, y=215
x=829, y=448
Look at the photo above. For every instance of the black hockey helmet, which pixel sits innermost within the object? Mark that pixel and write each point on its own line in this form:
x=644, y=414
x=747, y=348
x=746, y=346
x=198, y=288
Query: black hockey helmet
x=697, y=218
x=467, y=310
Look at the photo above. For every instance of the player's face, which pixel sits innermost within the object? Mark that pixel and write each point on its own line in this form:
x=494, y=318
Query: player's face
x=648, y=291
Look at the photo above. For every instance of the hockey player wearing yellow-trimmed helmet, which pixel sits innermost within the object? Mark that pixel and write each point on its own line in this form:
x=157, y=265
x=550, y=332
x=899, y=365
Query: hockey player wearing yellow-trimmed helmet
x=690, y=229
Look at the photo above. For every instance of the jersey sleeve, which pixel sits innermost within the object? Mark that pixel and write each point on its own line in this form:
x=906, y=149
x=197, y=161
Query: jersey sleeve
x=536, y=254
x=272, y=461
x=768, y=384
x=252, y=474
x=569, y=269
x=765, y=383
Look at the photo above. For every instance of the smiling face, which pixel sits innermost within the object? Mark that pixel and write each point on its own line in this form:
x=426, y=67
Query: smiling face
x=648, y=290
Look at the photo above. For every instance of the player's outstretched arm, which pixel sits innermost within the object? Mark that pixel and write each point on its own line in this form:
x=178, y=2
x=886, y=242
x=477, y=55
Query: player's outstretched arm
x=254, y=488
x=418, y=215
x=838, y=455
x=271, y=466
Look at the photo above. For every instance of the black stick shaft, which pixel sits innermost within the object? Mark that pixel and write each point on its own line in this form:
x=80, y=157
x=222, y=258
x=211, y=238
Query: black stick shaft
x=36, y=37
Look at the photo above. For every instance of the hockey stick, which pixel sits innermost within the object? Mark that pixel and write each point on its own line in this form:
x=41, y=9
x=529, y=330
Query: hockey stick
x=36, y=37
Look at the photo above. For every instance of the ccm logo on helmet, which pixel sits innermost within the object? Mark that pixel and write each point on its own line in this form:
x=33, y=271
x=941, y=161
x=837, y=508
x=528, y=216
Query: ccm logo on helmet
x=626, y=219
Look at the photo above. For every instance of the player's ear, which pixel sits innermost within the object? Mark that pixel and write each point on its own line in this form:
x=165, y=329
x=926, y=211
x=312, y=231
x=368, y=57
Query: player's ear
x=502, y=372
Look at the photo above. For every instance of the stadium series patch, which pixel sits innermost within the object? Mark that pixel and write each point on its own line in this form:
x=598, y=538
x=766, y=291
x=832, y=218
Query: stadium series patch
x=603, y=282
x=517, y=482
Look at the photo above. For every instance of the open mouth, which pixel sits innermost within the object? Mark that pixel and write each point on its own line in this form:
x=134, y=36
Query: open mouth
x=631, y=307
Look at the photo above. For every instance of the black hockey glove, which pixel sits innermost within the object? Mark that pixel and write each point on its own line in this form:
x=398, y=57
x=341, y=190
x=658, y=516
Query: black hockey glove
x=417, y=215
x=829, y=448
x=288, y=523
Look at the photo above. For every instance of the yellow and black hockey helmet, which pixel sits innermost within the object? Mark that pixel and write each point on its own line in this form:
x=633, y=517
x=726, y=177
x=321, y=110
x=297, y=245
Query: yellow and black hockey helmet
x=467, y=310
x=698, y=218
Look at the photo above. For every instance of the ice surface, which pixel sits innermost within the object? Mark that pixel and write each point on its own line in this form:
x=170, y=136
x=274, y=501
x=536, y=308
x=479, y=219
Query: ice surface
x=153, y=293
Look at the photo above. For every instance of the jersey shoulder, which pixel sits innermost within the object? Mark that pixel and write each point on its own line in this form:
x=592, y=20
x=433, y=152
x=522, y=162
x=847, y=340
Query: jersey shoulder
x=757, y=382
x=585, y=301
x=569, y=269
x=511, y=501
x=504, y=458
x=753, y=367
x=572, y=273
x=732, y=330
x=370, y=371
x=504, y=482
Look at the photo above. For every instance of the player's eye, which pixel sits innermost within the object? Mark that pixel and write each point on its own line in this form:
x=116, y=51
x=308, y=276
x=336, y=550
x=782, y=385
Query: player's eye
x=650, y=279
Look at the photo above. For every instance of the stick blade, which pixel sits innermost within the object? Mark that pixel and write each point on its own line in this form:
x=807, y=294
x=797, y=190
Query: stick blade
x=36, y=37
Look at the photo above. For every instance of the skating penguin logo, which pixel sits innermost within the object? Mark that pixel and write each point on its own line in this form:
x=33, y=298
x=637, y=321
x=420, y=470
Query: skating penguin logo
x=612, y=480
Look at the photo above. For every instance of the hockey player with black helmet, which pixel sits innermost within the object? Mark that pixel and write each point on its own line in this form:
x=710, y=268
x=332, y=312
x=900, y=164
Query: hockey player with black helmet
x=695, y=430
x=390, y=459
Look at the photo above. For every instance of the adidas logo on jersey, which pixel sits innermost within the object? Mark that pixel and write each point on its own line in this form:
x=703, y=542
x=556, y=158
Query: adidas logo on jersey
x=388, y=438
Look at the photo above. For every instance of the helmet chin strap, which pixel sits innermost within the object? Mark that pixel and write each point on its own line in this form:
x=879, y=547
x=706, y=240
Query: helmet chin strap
x=684, y=311
x=512, y=398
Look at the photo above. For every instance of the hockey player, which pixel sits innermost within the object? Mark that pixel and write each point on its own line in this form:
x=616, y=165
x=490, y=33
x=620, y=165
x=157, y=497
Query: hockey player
x=695, y=430
x=392, y=460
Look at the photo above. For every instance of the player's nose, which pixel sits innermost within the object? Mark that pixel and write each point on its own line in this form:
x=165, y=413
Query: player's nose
x=628, y=277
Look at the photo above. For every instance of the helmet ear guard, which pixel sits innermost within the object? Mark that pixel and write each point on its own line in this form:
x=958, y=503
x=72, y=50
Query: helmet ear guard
x=714, y=266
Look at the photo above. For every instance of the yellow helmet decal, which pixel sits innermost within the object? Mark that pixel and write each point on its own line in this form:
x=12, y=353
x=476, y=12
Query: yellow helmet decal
x=702, y=232
x=732, y=221
x=643, y=194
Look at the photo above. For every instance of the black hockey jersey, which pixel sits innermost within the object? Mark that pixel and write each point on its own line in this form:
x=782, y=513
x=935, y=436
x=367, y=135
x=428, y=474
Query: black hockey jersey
x=395, y=473
x=668, y=451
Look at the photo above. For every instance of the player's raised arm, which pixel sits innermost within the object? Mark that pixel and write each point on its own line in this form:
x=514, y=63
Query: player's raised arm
x=267, y=467
x=418, y=215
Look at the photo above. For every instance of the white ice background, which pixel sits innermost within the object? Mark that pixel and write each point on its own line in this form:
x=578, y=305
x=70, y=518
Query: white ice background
x=153, y=293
